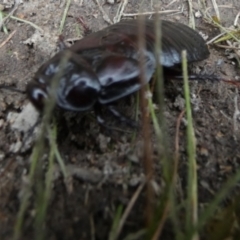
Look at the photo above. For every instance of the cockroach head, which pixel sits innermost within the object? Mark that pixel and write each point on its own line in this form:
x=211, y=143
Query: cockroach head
x=69, y=79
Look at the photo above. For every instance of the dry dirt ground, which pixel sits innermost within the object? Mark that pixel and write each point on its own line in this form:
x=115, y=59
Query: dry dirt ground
x=107, y=166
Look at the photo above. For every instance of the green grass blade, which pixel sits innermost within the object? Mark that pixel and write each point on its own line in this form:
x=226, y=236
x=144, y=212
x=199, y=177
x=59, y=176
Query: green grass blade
x=192, y=191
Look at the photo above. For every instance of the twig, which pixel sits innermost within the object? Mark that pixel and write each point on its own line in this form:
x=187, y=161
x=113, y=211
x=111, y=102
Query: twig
x=7, y=39
x=120, y=10
x=27, y=22
x=226, y=6
x=173, y=1
x=148, y=13
x=105, y=16
x=227, y=47
x=215, y=38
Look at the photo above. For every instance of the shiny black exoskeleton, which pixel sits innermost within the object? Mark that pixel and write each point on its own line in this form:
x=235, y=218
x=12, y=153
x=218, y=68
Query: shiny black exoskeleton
x=104, y=66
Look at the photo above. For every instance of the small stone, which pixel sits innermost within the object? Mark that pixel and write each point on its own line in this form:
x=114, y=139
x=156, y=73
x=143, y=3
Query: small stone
x=2, y=155
x=15, y=147
x=107, y=169
x=204, y=151
x=134, y=181
x=179, y=102
x=110, y=1
x=1, y=7
x=198, y=14
x=204, y=36
x=25, y=120
x=133, y=158
x=220, y=62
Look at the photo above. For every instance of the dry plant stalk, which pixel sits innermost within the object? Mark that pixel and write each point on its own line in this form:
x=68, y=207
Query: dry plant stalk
x=147, y=155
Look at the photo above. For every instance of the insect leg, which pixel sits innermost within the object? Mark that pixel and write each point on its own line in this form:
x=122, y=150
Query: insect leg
x=61, y=44
x=101, y=121
x=13, y=89
x=121, y=117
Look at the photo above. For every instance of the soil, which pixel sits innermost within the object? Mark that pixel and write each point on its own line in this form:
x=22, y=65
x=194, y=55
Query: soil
x=106, y=167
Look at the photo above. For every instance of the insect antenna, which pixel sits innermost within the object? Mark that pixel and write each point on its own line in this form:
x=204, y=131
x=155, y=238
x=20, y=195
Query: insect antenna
x=211, y=77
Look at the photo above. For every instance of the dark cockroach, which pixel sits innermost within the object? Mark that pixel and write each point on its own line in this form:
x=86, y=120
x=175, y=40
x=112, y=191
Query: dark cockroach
x=104, y=66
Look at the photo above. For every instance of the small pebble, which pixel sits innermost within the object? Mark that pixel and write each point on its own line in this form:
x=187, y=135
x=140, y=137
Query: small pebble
x=1, y=7
x=198, y=14
x=25, y=120
x=2, y=155
x=110, y=1
x=220, y=62
x=204, y=151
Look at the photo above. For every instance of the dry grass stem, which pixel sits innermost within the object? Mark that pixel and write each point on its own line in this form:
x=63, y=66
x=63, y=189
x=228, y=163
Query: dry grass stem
x=150, y=13
x=93, y=234
x=129, y=208
x=158, y=232
x=105, y=16
x=27, y=22
x=215, y=6
x=7, y=39
x=173, y=1
x=120, y=11
x=191, y=16
x=227, y=47
x=215, y=38
x=225, y=6
x=64, y=16
x=236, y=20
x=147, y=152
x=177, y=145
